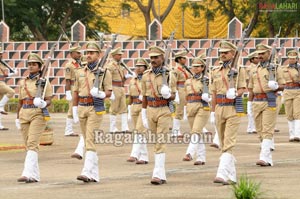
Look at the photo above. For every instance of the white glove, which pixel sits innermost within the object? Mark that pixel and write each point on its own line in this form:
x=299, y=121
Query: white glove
x=177, y=100
x=18, y=125
x=96, y=93
x=205, y=97
x=10, y=74
x=68, y=96
x=38, y=102
x=112, y=96
x=212, y=118
x=141, y=97
x=144, y=118
x=129, y=113
x=249, y=108
x=184, y=113
x=129, y=75
x=165, y=92
x=273, y=85
x=13, y=73
x=75, y=114
x=231, y=93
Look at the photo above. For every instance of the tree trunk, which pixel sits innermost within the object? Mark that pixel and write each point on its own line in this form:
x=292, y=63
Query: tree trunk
x=253, y=22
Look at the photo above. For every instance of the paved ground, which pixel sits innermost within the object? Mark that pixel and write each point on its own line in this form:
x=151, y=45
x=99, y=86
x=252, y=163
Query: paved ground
x=120, y=179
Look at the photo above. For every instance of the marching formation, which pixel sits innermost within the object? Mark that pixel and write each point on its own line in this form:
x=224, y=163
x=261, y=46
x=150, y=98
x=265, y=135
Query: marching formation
x=160, y=95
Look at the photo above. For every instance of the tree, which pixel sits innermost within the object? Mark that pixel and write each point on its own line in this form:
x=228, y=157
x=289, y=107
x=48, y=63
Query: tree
x=146, y=10
x=41, y=19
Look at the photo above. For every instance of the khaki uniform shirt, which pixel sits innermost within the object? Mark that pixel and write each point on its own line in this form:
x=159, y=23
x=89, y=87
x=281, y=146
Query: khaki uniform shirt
x=116, y=70
x=71, y=68
x=220, y=79
x=3, y=70
x=84, y=81
x=259, y=78
x=180, y=73
x=32, y=88
x=152, y=83
x=193, y=86
x=290, y=75
x=135, y=87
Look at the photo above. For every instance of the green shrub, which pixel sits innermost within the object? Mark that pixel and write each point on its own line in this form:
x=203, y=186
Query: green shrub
x=246, y=188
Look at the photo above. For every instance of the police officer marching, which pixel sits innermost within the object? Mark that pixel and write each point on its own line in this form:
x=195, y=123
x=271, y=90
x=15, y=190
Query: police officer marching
x=139, y=153
x=157, y=90
x=70, y=69
x=224, y=110
x=253, y=58
x=181, y=75
x=118, y=98
x=30, y=117
x=291, y=95
x=78, y=153
x=5, y=91
x=197, y=113
x=262, y=95
x=88, y=107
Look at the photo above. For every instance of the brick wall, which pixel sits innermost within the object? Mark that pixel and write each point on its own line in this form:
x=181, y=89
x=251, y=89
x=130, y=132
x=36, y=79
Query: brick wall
x=15, y=54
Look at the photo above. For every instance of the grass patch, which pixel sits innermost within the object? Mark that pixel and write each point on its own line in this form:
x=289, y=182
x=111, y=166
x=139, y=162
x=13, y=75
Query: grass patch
x=246, y=188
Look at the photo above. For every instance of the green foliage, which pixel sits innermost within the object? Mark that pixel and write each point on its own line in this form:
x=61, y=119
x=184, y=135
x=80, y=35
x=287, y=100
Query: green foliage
x=246, y=188
x=40, y=19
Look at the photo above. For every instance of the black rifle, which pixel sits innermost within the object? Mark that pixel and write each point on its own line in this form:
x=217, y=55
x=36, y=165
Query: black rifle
x=272, y=62
x=205, y=77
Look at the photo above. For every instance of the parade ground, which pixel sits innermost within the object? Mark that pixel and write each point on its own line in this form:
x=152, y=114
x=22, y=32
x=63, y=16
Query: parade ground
x=121, y=179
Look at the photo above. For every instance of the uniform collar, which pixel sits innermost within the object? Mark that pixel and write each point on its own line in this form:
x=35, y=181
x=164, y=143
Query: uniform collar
x=197, y=76
x=139, y=77
x=226, y=64
x=157, y=70
x=33, y=76
x=92, y=66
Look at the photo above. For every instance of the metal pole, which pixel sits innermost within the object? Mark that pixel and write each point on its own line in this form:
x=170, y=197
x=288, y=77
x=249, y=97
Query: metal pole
x=2, y=11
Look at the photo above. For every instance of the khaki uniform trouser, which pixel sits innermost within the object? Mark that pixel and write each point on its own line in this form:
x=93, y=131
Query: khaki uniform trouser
x=265, y=119
x=227, y=123
x=89, y=122
x=118, y=105
x=70, y=110
x=292, y=104
x=32, y=126
x=6, y=90
x=136, y=115
x=182, y=102
x=197, y=117
x=158, y=121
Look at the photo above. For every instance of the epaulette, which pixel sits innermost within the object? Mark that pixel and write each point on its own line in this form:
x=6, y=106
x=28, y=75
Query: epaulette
x=216, y=67
x=146, y=71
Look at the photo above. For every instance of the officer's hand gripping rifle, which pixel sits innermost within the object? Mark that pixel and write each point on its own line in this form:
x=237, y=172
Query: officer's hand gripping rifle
x=41, y=83
x=272, y=62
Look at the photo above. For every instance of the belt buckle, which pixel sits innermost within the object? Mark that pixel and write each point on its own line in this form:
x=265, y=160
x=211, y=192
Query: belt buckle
x=85, y=100
x=154, y=103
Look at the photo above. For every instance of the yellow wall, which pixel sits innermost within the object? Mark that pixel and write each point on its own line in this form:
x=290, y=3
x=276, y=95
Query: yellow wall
x=135, y=24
